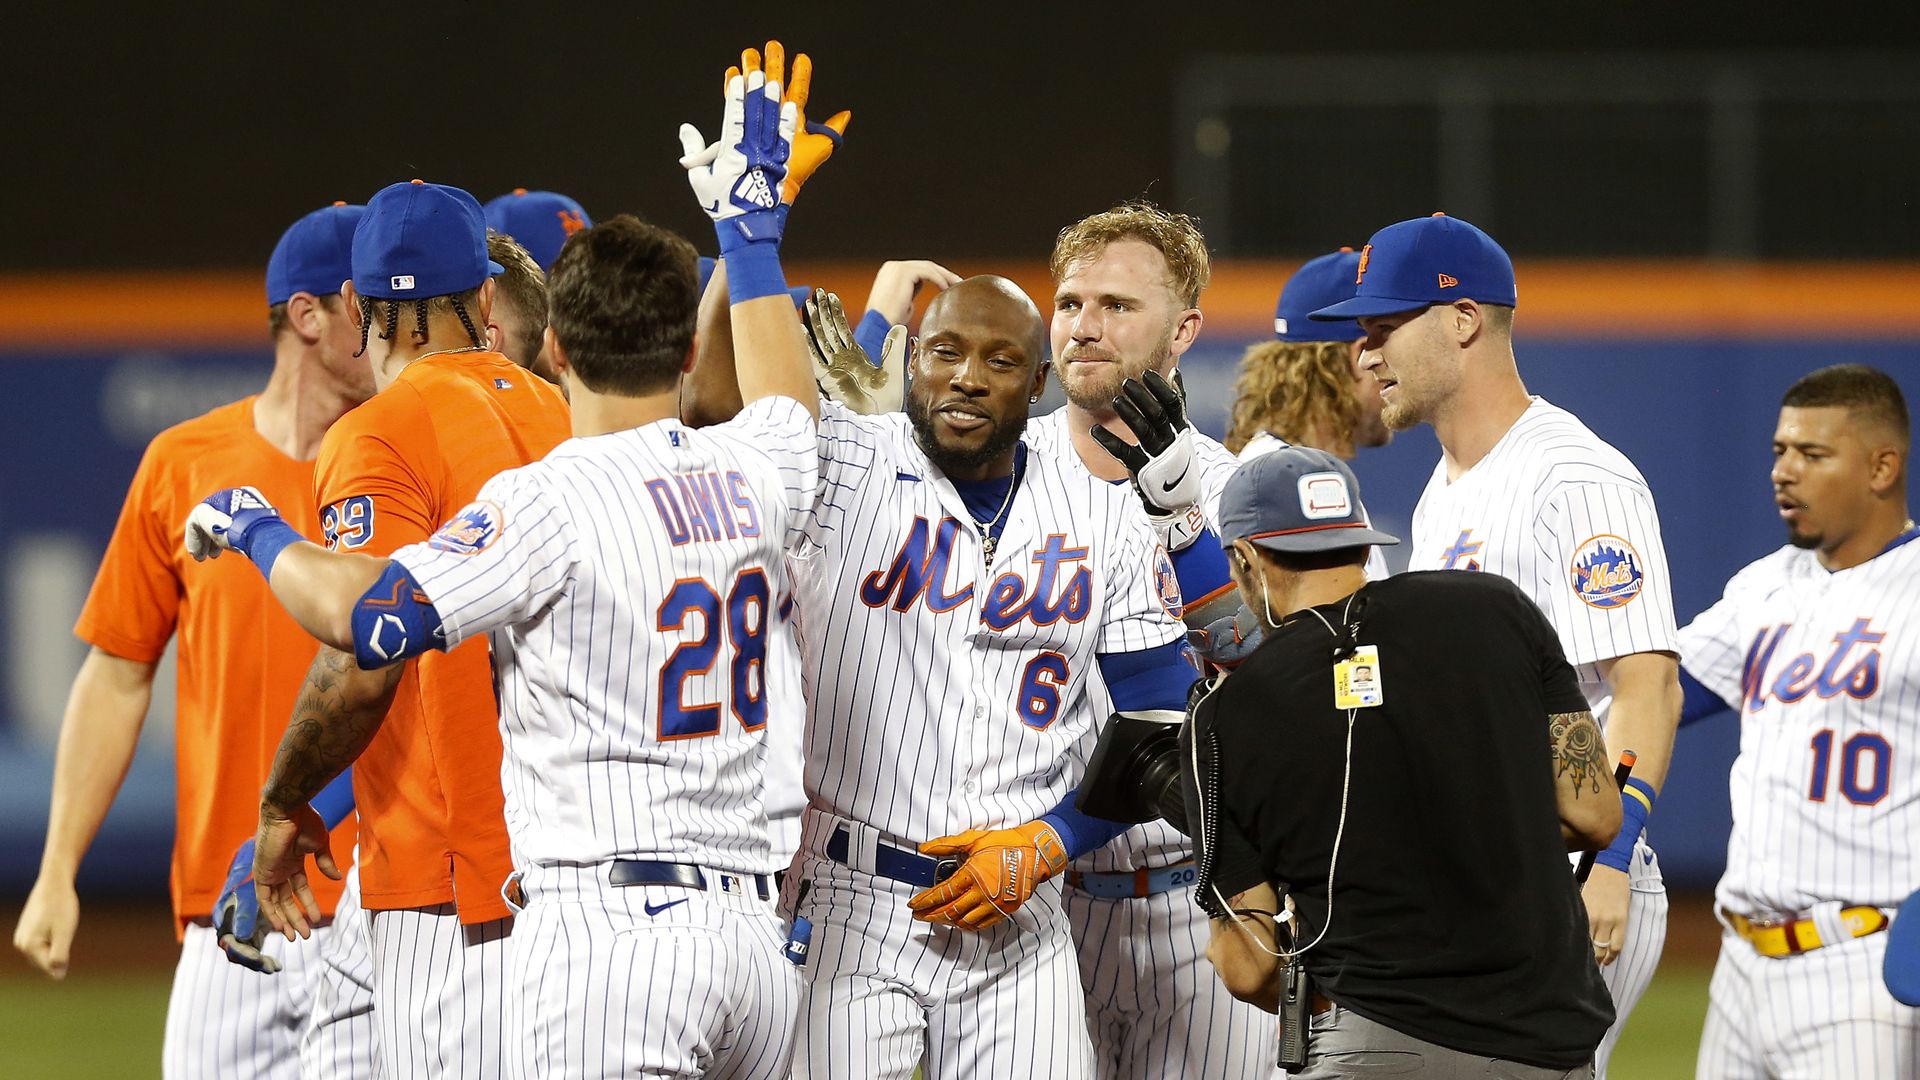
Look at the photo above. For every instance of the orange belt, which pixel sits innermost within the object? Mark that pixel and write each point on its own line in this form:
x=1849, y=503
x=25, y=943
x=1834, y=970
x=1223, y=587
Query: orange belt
x=1791, y=937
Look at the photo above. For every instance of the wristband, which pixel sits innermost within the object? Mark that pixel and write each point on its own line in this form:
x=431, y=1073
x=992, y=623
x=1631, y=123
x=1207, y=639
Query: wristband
x=871, y=335
x=753, y=271
x=266, y=540
x=1636, y=802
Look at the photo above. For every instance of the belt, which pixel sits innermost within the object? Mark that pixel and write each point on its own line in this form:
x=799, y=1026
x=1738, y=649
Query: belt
x=1795, y=935
x=897, y=863
x=1134, y=884
x=633, y=872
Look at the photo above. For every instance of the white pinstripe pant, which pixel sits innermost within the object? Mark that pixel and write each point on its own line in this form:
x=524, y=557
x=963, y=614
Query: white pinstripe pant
x=340, y=1039
x=1632, y=971
x=647, y=980
x=439, y=993
x=1155, y=1008
x=228, y=1021
x=882, y=990
x=1820, y=1015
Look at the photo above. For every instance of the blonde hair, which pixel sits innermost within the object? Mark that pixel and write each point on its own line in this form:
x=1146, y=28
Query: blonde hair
x=1298, y=390
x=524, y=285
x=1175, y=236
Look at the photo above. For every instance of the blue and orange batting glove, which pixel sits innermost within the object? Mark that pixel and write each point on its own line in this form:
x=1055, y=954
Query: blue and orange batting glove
x=236, y=916
x=1003, y=868
x=813, y=143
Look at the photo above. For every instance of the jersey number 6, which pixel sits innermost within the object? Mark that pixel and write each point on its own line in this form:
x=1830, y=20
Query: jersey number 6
x=746, y=626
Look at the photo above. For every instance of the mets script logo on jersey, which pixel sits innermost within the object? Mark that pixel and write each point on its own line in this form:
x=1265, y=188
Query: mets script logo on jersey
x=471, y=531
x=1806, y=674
x=1167, y=583
x=918, y=574
x=1465, y=547
x=1606, y=572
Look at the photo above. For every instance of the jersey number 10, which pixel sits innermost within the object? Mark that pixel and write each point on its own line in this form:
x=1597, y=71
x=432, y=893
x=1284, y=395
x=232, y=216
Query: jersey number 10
x=1852, y=753
x=745, y=627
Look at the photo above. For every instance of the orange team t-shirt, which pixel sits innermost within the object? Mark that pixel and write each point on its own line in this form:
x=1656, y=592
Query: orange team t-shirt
x=241, y=659
x=432, y=825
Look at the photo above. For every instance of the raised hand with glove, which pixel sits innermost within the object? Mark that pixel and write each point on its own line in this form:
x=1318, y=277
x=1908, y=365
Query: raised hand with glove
x=1002, y=868
x=1163, y=464
x=844, y=369
x=813, y=143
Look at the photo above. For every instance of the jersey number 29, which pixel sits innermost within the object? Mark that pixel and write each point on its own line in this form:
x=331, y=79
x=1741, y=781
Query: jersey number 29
x=745, y=626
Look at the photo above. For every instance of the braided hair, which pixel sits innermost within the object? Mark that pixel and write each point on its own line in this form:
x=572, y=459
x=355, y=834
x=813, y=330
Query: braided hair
x=422, y=309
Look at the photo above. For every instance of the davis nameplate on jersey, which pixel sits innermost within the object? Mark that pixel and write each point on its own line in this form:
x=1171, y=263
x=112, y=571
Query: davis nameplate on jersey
x=1606, y=572
x=470, y=531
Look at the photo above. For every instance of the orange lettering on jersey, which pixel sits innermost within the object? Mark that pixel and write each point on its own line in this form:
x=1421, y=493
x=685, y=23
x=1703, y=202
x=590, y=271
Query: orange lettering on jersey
x=1448, y=281
x=1366, y=256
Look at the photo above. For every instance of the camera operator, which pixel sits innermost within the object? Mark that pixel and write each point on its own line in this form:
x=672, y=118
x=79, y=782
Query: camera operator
x=1386, y=739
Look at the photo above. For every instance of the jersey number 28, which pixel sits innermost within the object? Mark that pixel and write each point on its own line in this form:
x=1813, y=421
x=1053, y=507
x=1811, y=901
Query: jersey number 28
x=745, y=626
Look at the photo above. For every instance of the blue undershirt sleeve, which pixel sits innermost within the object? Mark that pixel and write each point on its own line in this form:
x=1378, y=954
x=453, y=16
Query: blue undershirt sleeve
x=1697, y=702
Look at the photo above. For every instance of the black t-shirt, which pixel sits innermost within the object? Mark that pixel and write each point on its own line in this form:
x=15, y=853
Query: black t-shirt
x=1455, y=917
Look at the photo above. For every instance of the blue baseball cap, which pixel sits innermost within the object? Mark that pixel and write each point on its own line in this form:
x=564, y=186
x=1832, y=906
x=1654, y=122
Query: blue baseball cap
x=540, y=220
x=1321, y=282
x=1296, y=499
x=420, y=240
x=315, y=254
x=1431, y=260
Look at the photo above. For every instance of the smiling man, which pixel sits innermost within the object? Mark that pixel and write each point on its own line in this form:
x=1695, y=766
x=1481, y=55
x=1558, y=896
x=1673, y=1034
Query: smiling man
x=1812, y=647
x=1523, y=489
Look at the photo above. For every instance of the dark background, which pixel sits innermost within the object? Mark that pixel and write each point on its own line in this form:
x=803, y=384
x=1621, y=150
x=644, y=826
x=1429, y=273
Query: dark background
x=183, y=136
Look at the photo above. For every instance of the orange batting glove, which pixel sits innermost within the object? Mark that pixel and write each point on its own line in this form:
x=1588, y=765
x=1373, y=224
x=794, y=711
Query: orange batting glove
x=1003, y=868
x=813, y=143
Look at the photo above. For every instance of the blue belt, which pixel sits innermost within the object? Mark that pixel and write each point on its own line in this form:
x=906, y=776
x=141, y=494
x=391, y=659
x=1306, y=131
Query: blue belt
x=1134, y=884
x=633, y=872
x=900, y=864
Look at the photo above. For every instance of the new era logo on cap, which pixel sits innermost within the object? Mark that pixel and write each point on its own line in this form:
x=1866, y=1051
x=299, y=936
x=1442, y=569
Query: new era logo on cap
x=1324, y=495
x=402, y=282
x=1448, y=281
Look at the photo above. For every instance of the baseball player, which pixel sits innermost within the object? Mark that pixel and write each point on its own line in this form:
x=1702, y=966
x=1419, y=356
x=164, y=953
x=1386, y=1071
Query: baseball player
x=885, y=581
x=1526, y=491
x=1127, y=289
x=1814, y=646
x=628, y=580
x=518, y=325
x=449, y=414
x=239, y=662
x=539, y=221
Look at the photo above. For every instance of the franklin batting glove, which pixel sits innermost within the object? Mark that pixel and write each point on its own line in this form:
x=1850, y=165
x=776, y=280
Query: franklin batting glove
x=842, y=367
x=236, y=916
x=1003, y=868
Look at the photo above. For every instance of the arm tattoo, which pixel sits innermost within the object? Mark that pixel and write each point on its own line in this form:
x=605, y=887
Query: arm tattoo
x=1578, y=750
x=339, y=709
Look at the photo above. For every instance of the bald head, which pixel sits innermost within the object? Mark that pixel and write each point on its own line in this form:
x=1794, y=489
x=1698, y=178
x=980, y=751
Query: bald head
x=991, y=306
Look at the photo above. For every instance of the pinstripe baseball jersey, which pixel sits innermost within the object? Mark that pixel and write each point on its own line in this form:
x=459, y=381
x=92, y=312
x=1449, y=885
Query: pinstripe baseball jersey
x=946, y=694
x=1824, y=669
x=1568, y=518
x=628, y=581
x=1155, y=843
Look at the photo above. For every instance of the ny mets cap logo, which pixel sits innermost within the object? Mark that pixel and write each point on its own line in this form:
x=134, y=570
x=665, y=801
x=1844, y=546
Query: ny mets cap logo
x=1606, y=572
x=471, y=531
x=1167, y=583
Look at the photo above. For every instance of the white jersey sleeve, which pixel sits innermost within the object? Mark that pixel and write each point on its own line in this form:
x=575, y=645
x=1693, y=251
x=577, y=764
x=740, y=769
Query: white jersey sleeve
x=499, y=560
x=1714, y=646
x=1143, y=595
x=781, y=429
x=1608, y=592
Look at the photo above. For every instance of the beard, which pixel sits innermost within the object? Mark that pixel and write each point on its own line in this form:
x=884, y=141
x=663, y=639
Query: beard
x=1805, y=541
x=1399, y=416
x=999, y=440
x=1094, y=391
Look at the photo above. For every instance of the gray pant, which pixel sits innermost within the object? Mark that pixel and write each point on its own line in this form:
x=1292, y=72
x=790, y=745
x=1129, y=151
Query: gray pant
x=1346, y=1044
